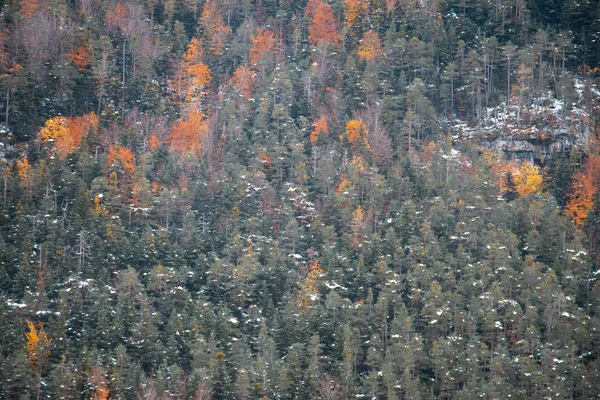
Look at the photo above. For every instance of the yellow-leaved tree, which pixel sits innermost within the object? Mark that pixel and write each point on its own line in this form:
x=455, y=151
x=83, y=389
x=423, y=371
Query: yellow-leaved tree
x=194, y=76
x=308, y=293
x=370, y=46
x=38, y=350
x=522, y=179
x=64, y=135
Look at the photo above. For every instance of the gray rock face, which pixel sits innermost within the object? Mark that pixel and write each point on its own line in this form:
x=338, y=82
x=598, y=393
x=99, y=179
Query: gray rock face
x=539, y=137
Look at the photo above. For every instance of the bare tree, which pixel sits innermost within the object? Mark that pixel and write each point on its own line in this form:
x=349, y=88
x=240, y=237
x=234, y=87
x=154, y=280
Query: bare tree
x=329, y=388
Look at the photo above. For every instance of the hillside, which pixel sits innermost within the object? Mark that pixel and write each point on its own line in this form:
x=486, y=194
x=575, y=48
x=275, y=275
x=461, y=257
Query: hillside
x=299, y=200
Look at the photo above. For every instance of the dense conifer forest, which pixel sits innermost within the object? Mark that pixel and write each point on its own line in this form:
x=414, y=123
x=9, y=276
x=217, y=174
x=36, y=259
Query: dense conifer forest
x=322, y=199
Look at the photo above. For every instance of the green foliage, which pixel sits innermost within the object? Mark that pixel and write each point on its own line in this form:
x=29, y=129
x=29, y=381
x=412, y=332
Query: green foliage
x=387, y=257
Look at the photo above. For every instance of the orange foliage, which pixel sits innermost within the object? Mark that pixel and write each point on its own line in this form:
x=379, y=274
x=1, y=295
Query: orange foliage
x=99, y=380
x=323, y=27
x=117, y=17
x=66, y=134
x=524, y=178
x=77, y=129
x=244, y=79
x=583, y=191
x=344, y=184
x=187, y=133
x=193, y=54
x=154, y=142
x=81, y=57
x=196, y=76
x=311, y=8
x=101, y=393
x=24, y=170
x=355, y=131
x=201, y=75
x=581, y=199
x=38, y=344
x=215, y=28
x=370, y=46
x=358, y=225
x=355, y=9
x=262, y=43
x=320, y=127
x=265, y=160
x=28, y=7
x=309, y=289
x=119, y=156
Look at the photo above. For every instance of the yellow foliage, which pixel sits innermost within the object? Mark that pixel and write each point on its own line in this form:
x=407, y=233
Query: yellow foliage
x=529, y=180
x=525, y=178
x=65, y=134
x=53, y=129
x=355, y=131
x=193, y=54
x=200, y=76
x=358, y=225
x=38, y=344
x=370, y=46
x=355, y=9
x=309, y=291
x=491, y=158
x=24, y=169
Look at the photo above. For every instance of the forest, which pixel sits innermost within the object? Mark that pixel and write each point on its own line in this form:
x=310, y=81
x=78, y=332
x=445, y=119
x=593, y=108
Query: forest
x=299, y=199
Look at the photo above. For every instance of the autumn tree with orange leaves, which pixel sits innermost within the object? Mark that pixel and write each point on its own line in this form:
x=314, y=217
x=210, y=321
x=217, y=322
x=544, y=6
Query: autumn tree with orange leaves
x=515, y=179
x=244, y=80
x=320, y=130
x=122, y=160
x=28, y=8
x=215, y=30
x=81, y=57
x=354, y=12
x=64, y=135
x=583, y=191
x=198, y=75
x=99, y=380
x=308, y=292
x=355, y=136
x=263, y=46
x=323, y=26
x=370, y=47
x=191, y=77
x=187, y=134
